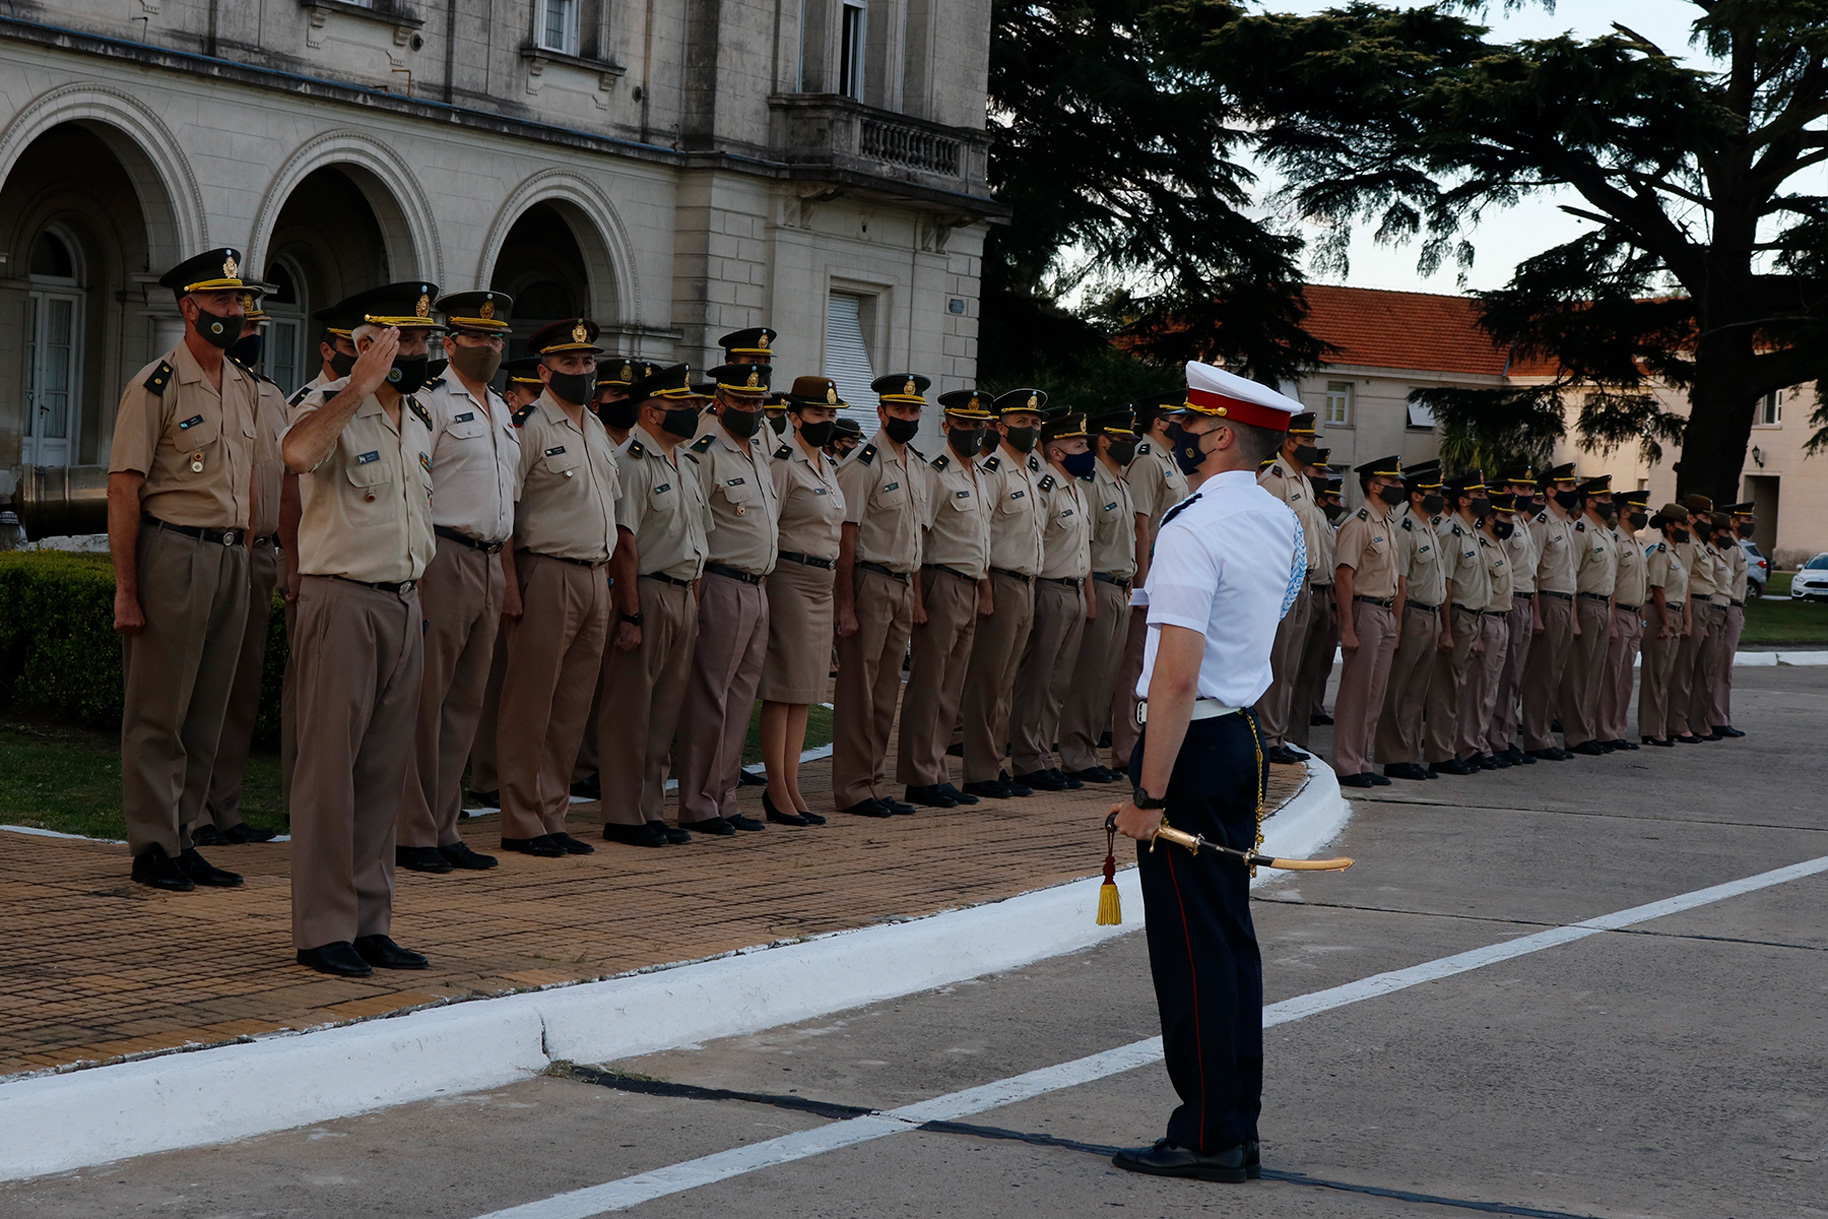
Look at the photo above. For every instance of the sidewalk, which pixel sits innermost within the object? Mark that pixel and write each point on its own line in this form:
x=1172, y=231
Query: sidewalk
x=97, y=969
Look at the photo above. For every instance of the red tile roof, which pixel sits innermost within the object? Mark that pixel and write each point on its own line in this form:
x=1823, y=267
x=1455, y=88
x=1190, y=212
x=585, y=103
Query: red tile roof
x=1418, y=331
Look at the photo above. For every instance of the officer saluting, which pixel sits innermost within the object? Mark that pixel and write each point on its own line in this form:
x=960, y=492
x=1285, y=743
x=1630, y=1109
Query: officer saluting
x=1228, y=563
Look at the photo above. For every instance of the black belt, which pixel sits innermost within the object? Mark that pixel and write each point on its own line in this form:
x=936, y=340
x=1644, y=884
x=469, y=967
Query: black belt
x=1736, y=604
x=1386, y=602
x=1596, y=596
x=1674, y=605
x=1467, y=609
x=661, y=576
x=730, y=573
x=1496, y=613
x=808, y=560
x=1417, y=605
x=1327, y=585
x=397, y=587
x=1523, y=594
x=1013, y=575
x=272, y=539
x=464, y=539
x=1549, y=592
x=593, y=564
x=881, y=570
x=1105, y=577
x=1629, y=609
x=953, y=572
x=224, y=537
x=1072, y=581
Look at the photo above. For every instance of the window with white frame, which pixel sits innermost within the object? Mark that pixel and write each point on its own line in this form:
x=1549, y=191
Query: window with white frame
x=847, y=356
x=851, y=17
x=1770, y=410
x=555, y=25
x=1339, y=404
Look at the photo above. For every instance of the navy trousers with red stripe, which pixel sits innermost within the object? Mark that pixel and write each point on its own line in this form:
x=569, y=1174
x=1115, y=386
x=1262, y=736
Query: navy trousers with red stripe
x=1202, y=946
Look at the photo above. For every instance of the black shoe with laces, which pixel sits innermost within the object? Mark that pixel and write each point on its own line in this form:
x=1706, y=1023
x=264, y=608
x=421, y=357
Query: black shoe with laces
x=710, y=825
x=987, y=789
x=572, y=845
x=958, y=797
x=746, y=823
x=339, y=959
x=930, y=795
x=203, y=872
x=1041, y=781
x=869, y=808
x=590, y=787
x=383, y=953
x=1014, y=787
x=155, y=868
x=208, y=836
x=461, y=856
x=540, y=845
x=421, y=859
x=647, y=834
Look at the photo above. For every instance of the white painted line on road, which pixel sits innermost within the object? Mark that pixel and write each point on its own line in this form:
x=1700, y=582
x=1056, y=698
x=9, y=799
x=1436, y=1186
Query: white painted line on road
x=627, y=1192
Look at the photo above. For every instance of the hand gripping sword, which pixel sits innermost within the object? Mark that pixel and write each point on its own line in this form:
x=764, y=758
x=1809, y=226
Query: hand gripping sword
x=1110, y=912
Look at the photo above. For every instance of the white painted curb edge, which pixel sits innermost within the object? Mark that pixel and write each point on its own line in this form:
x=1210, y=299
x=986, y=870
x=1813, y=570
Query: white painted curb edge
x=54, y=1123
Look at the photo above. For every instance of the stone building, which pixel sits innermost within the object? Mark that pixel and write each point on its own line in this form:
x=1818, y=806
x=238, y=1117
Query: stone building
x=672, y=168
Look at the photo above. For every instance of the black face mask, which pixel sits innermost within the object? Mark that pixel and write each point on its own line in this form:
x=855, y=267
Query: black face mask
x=407, y=373
x=1637, y=520
x=1432, y=505
x=622, y=414
x=246, y=349
x=576, y=388
x=901, y=430
x=1747, y=529
x=778, y=423
x=435, y=368
x=741, y=424
x=1393, y=495
x=1568, y=501
x=1123, y=452
x=1022, y=439
x=1526, y=503
x=219, y=331
x=681, y=422
x=1675, y=535
x=818, y=435
x=1481, y=506
x=1306, y=454
x=1503, y=529
x=965, y=441
x=1332, y=510
x=342, y=364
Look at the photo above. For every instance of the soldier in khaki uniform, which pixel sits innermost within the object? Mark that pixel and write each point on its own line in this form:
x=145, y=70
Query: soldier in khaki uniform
x=885, y=490
x=1323, y=624
x=1554, y=628
x=846, y=438
x=1628, y=597
x=1494, y=634
x=223, y=824
x=1468, y=591
x=1009, y=477
x=524, y=386
x=1666, y=620
x=1063, y=602
x=1427, y=624
x=1156, y=485
x=1713, y=537
x=1090, y=695
x=362, y=449
x=733, y=467
x=1595, y=575
x=663, y=526
x=476, y=461
x=1697, y=561
x=1285, y=477
x=952, y=594
x=1744, y=525
x=1520, y=549
x=1370, y=588
x=180, y=500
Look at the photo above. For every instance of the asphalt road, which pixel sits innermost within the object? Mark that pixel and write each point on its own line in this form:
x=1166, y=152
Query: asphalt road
x=1676, y=1067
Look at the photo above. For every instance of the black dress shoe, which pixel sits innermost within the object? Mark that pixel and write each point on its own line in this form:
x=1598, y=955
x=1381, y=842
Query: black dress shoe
x=1013, y=787
x=421, y=859
x=1687, y=739
x=1319, y=718
x=1404, y=770
x=383, y=953
x=488, y=799
x=1484, y=761
x=207, y=836
x=1166, y=1160
x=461, y=856
x=988, y=789
x=746, y=823
x=746, y=778
x=647, y=834
x=1502, y=759
x=1363, y=779
x=930, y=795
x=710, y=825
x=1727, y=730
x=958, y=797
x=1093, y=774
x=1520, y=758
x=676, y=835
x=1072, y=784
x=897, y=807
x=339, y=958
x=541, y=845
x=868, y=808
x=812, y=818
x=1452, y=766
x=242, y=833
x=1547, y=755
x=1378, y=780
x=1282, y=755
x=590, y=787
x=572, y=845
x=1709, y=736
x=1041, y=781
x=1622, y=743
x=1660, y=742
x=203, y=872
x=778, y=817
x=1590, y=749
x=155, y=868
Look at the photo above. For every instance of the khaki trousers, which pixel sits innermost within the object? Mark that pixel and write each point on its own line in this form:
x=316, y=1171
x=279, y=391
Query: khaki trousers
x=869, y=680
x=1362, y=681
x=178, y=674
x=1660, y=655
x=1709, y=658
x=1482, y=684
x=360, y=655
x=223, y=802
x=720, y=695
x=996, y=655
x=1124, y=729
x=288, y=707
x=1447, y=689
x=483, y=774
x=1677, y=709
x=1615, y=685
x=1412, y=666
x=1087, y=711
x=941, y=653
x=1507, y=713
x=1722, y=711
x=1580, y=681
x=1274, y=708
x=462, y=594
x=1046, y=672
x=635, y=743
x=1542, y=671
x=1316, y=665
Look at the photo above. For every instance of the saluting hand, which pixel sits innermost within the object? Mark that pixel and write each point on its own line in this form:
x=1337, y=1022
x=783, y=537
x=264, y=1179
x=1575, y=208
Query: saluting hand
x=371, y=367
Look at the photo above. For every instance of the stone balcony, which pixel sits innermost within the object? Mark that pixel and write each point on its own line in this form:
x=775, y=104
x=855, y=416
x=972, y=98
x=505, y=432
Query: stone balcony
x=859, y=143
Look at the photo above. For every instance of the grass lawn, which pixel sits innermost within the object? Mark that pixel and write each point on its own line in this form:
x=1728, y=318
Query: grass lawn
x=1775, y=619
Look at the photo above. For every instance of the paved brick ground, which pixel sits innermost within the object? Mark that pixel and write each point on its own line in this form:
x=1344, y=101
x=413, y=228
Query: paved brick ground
x=95, y=968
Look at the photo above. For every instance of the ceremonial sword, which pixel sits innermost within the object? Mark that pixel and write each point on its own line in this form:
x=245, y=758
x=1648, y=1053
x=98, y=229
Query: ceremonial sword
x=1194, y=842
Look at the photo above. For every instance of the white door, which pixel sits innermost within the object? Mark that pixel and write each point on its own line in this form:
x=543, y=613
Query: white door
x=53, y=324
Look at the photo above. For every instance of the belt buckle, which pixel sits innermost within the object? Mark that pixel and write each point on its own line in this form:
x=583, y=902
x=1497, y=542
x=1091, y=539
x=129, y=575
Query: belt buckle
x=407, y=586
x=229, y=537
x=1142, y=713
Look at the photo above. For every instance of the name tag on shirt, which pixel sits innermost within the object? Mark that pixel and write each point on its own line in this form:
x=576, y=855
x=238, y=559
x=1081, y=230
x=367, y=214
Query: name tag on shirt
x=820, y=491
x=735, y=482
x=554, y=452
x=190, y=423
x=961, y=495
x=1017, y=494
x=366, y=458
x=1110, y=506
x=463, y=418
x=663, y=487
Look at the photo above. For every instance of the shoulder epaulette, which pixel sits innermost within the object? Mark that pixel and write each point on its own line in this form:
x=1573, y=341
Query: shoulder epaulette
x=866, y=454
x=917, y=452
x=1143, y=449
x=941, y=462
x=1183, y=506
x=635, y=449
x=784, y=452
x=990, y=463
x=1408, y=524
x=703, y=443
x=520, y=416
x=434, y=383
x=298, y=395
x=1364, y=514
x=1580, y=526
x=1542, y=518
x=160, y=378
x=1457, y=531
x=1046, y=483
x=1034, y=463
x=424, y=415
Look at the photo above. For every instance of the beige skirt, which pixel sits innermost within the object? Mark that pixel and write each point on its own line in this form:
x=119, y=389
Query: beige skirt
x=800, y=607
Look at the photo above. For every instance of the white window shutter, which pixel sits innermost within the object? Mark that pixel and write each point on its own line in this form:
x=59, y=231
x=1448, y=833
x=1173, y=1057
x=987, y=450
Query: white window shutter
x=847, y=360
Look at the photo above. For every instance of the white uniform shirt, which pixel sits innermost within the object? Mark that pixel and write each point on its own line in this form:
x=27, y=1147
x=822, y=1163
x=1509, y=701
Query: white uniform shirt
x=1228, y=563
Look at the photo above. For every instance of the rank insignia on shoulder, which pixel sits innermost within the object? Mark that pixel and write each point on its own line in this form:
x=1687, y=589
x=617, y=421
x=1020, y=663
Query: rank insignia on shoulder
x=866, y=454
x=298, y=395
x=1457, y=530
x=940, y=462
x=160, y=378
x=1580, y=526
x=990, y=464
x=520, y=416
x=1364, y=514
x=694, y=458
x=1046, y=483
x=703, y=443
x=1143, y=450
x=1408, y=525
x=190, y=423
x=1542, y=518
x=635, y=449
x=784, y=452
x=1034, y=463
x=466, y=417
x=555, y=450
x=424, y=415
x=434, y=383
x=368, y=458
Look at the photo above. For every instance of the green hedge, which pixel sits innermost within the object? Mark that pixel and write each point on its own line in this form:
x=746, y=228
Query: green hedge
x=59, y=656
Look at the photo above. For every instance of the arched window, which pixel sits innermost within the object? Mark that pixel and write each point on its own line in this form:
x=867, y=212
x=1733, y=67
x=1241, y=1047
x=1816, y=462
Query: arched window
x=53, y=343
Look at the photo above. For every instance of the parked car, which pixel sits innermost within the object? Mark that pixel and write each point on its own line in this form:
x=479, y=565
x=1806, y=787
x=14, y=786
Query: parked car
x=1757, y=570
x=1811, y=580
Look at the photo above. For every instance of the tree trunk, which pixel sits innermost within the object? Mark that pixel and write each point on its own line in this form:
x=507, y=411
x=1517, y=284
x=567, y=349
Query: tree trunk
x=1721, y=405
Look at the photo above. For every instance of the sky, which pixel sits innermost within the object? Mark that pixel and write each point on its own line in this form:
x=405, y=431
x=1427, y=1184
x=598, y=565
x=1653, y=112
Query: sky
x=1507, y=236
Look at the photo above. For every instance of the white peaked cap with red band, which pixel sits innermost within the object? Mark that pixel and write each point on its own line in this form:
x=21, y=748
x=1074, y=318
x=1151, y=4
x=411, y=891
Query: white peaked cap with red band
x=1213, y=391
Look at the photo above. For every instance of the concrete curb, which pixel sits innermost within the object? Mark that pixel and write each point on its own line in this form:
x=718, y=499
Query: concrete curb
x=76, y=1119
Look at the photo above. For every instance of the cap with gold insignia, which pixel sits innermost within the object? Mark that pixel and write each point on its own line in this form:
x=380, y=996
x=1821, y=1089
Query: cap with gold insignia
x=404, y=306
x=1637, y=499
x=743, y=380
x=1302, y=424
x=1472, y=483
x=1381, y=467
x=568, y=335
x=673, y=382
x=1155, y=406
x=1503, y=501
x=902, y=387
x=1563, y=473
x=1067, y=426
x=623, y=372
x=1523, y=475
x=1746, y=510
x=339, y=319
x=756, y=341
x=1020, y=400
x=1423, y=477
x=485, y=310
x=816, y=391
x=523, y=371
x=965, y=404
x=1694, y=501
x=1601, y=485
x=1112, y=421
x=251, y=296
x=210, y=271
x=1335, y=486
x=1214, y=392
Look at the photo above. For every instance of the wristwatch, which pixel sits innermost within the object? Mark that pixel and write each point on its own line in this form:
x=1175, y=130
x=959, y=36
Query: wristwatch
x=632, y=619
x=1142, y=799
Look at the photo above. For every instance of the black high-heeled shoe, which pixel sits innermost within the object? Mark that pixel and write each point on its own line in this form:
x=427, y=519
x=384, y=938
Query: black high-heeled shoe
x=778, y=817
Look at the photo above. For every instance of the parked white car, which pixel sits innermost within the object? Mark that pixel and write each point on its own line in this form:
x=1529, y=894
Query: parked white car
x=1811, y=582
x=1757, y=570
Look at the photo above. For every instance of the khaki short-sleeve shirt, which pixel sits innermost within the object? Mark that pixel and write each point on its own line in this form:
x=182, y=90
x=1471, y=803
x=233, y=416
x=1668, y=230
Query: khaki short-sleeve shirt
x=812, y=504
x=1521, y=547
x=1556, y=553
x=1017, y=517
x=1156, y=483
x=663, y=505
x=196, y=446
x=1293, y=489
x=1366, y=544
x=476, y=460
x=269, y=461
x=885, y=497
x=1497, y=576
x=1421, y=552
x=1066, y=540
x=1113, y=523
x=367, y=506
x=1664, y=568
x=1633, y=585
x=1597, y=559
x=571, y=482
x=958, y=517
x=1462, y=562
x=739, y=487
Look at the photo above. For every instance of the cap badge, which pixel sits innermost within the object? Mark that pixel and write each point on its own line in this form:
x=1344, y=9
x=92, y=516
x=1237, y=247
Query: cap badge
x=488, y=310
x=1033, y=402
x=628, y=372
x=763, y=344
x=909, y=387
x=831, y=394
x=579, y=334
x=424, y=307
x=247, y=302
x=230, y=268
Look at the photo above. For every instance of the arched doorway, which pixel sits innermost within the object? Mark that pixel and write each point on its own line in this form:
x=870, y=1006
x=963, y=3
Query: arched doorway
x=289, y=351
x=543, y=268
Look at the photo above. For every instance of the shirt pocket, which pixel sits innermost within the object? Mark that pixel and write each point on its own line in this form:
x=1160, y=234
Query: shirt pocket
x=563, y=465
x=370, y=478
x=195, y=438
x=473, y=428
x=892, y=492
x=1017, y=502
x=741, y=490
x=962, y=501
